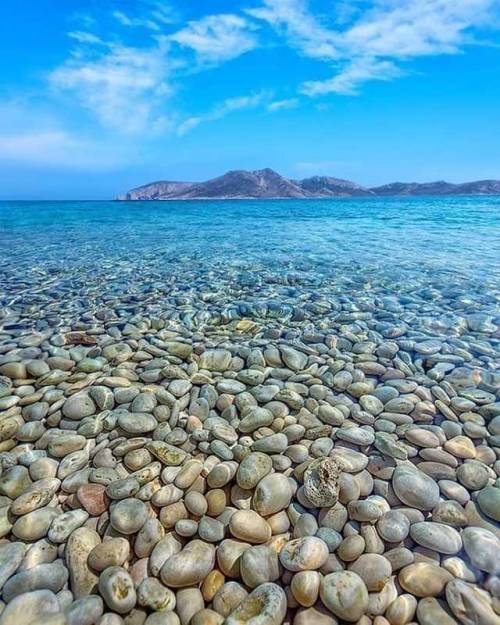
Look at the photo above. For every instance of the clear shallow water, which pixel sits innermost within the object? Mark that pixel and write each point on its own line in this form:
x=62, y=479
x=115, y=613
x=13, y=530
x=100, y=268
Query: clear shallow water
x=202, y=259
x=462, y=232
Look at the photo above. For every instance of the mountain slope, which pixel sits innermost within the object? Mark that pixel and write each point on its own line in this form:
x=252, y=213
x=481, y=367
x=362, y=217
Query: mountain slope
x=156, y=190
x=328, y=186
x=268, y=184
x=261, y=183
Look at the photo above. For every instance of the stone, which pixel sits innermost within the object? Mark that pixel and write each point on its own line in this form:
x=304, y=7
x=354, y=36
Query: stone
x=321, y=481
x=374, y=570
x=482, y=548
x=128, y=515
x=414, y=488
x=83, y=580
x=249, y=526
x=266, y=605
x=272, y=494
x=423, y=579
x=117, y=589
x=470, y=604
x=30, y=608
x=190, y=566
x=304, y=554
x=436, y=536
x=488, y=500
x=344, y=593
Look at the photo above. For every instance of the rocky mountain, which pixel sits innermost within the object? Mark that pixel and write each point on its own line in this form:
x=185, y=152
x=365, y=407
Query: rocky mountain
x=326, y=186
x=440, y=187
x=160, y=190
x=267, y=184
x=261, y=183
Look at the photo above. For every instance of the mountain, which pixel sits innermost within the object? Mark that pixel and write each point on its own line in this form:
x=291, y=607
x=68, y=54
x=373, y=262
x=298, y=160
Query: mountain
x=415, y=188
x=326, y=186
x=267, y=184
x=261, y=183
x=156, y=190
x=440, y=187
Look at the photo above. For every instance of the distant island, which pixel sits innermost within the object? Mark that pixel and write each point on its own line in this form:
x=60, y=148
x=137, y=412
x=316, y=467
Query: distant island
x=268, y=184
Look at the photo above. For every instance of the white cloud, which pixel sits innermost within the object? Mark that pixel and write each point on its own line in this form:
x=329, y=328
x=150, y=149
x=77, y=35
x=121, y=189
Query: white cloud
x=85, y=37
x=217, y=38
x=122, y=85
x=354, y=74
x=224, y=108
x=302, y=29
x=280, y=105
x=58, y=148
x=369, y=45
x=415, y=28
x=126, y=20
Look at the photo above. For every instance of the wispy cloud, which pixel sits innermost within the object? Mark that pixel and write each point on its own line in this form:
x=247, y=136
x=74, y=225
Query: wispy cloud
x=85, y=37
x=122, y=85
x=224, y=108
x=281, y=105
x=373, y=44
x=302, y=29
x=130, y=86
x=217, y=38
x=134, y=22
x=348, y=81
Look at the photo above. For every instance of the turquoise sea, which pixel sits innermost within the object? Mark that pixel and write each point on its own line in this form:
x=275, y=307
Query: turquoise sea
x=432, y=257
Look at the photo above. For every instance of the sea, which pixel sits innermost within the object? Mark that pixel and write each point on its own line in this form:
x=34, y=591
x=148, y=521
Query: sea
x=428, y=263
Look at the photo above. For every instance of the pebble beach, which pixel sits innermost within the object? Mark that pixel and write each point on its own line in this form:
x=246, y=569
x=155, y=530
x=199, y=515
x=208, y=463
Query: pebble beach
x=250, y=413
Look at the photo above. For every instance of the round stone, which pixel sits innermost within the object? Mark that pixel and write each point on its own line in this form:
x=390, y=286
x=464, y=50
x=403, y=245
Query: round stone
x=423, y=579
x=78, y=406
x=436, y=536
x=374, y=570
x=414, y=488
x=258, y=565
x=117, y=589
x=482, y=548
x=304, y=554
x=252, y=469
x=128, y=515
x=266, y=605
x=488, y=500
x=345, y=594
x=190, y=566
x=393, y=526
x=272, y=494
x=249, y=526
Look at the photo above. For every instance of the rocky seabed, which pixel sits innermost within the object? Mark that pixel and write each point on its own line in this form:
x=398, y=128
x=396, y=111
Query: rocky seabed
x=297, y=455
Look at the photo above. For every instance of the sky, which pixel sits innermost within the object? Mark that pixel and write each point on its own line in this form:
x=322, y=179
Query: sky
x=99, y=96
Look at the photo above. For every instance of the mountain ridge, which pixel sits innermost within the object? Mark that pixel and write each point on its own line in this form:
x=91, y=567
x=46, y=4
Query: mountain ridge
x=268, y=184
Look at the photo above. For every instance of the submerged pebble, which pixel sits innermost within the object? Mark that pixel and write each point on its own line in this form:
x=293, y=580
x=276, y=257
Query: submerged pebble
x=191, y=437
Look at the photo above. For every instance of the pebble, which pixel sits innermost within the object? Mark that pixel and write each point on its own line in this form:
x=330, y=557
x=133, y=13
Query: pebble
x=414, y=488
x=436, y=536
x=286, y=446
x=344, y=593
x=321, y=481
x=117, y=589
x=304, y=554
x=266, y=605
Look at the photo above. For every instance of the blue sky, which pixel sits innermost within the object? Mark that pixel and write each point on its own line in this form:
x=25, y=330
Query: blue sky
x=98, y=96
